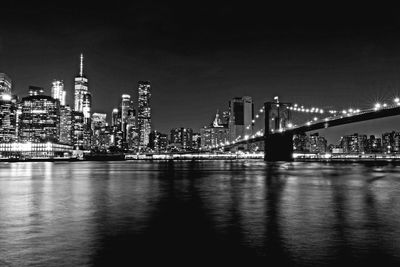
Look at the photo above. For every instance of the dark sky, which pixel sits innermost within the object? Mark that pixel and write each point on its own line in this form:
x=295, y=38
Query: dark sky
x=201, y=54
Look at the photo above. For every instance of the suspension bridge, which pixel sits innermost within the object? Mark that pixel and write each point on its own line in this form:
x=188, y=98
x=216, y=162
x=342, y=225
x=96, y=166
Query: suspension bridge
x=278, y=127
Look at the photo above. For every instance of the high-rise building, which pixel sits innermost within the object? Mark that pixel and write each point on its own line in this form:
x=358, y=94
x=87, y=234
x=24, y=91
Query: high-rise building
x=5, y=86
x=65, y=125
x=101, y=132
x=241, y=114
x=131, y=130
x=40, y=118
x=77, y=129
x=58, y=92
x=8, y=110
x=82, y=94
x=144, y=113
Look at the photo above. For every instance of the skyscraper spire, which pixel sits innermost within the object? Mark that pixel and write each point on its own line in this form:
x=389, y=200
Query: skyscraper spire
x=81, y=66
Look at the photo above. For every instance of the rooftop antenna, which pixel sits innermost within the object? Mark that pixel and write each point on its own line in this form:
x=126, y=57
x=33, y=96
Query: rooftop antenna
x=81, y=67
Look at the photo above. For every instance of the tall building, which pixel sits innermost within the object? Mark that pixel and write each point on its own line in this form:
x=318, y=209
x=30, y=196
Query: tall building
x=77, y=129
x=82, y=94
x=144, y=113
x=40, y=118
x=5, y=86
x=131, y=130
x=241, y=114
x=181, y=138
x=58, y=92
x=65, y=125
x=8, y=110
x=101, y=132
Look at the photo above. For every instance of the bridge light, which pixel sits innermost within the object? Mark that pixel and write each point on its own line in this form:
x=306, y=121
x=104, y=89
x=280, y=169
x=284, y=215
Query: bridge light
x=308, y=123
x=351, y=110
x=344, y=111
x=307, y=110
x=246, y=137
x=257, y=116
x=295, y=105
x=316, y=110
x=321, y=111
x=384, y=105
x=290, y=125
x=397, y=100
x=315, y=118
x=358, y=111
x=377, y=106
x=253, y=121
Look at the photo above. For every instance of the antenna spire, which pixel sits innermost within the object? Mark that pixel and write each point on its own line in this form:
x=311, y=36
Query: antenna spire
x=81, y=66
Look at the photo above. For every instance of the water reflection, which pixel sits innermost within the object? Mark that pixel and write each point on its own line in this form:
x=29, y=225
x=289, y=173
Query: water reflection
x=93, y=213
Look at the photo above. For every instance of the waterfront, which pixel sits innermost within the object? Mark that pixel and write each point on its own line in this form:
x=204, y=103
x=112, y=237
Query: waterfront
x=101, y=213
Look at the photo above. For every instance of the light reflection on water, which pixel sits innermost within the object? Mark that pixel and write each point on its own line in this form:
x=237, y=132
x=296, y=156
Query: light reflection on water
x=94, y=213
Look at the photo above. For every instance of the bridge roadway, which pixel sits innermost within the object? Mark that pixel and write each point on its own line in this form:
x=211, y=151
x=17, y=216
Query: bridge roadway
x=279, y=146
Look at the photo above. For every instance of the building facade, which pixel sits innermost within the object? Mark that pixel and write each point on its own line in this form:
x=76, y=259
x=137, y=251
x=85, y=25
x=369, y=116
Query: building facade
x=241, y=114
x=58, y=92
x=144, y=113
x=82, y=94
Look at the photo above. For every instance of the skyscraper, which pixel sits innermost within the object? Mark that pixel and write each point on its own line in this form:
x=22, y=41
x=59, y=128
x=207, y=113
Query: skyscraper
x=8, y=110
x=241, y=113
x=82, y=94
x=144, y=113
x=58, y=92
x=5, y=86
x=66, y=125
x=40, y=118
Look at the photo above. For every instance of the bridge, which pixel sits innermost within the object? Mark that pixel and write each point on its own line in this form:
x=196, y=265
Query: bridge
x=279, y=129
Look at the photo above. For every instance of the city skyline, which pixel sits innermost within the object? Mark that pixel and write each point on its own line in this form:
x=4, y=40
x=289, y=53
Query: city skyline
x=260, y=55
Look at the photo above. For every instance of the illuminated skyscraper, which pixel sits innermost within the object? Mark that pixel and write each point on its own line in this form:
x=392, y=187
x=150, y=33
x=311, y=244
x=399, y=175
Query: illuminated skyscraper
x=66, y=125
x=40, y=118
x=144, y=113
x=82, y=94
x=5, y=86
x=126, y=105
x=58, y=92
x=241, y=114
x=8, y=110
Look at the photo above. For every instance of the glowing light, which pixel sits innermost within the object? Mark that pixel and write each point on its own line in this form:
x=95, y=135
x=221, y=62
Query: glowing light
x=384, y=105
x=290, y=125
x=315, y=118
x=397, y=100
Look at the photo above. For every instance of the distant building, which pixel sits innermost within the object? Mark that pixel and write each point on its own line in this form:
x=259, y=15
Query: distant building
x=354, y=143
x=35, y=90
x=181, y=138
x=40, y=118
x=158, y=142
x=82, y=94
x=215, y=134
x=5, y=85
x=65, y=125
x=101, y=139
x=196, y=141
x=144, y=113
x=391, y=142
x=317, y=144
x=241, y=114
x=300, y=143
x=58, y=92
x=77, y=129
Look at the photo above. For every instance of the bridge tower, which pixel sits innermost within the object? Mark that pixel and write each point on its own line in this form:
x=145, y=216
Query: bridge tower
x=278, y=144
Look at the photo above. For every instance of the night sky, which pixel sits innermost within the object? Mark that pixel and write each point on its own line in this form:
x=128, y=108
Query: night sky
x=201, y=54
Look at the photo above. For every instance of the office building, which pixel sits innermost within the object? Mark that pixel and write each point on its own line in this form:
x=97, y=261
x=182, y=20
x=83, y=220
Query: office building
x=58, y=92
x=144, y=113
x=40, y=118
x=65, y=125
x=181, y=138
x=82, y=94
x=241, y=114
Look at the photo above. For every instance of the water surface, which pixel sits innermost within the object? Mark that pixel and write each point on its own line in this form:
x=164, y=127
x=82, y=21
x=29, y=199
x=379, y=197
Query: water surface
x=109, y=213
